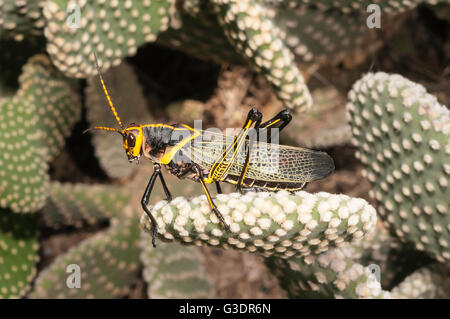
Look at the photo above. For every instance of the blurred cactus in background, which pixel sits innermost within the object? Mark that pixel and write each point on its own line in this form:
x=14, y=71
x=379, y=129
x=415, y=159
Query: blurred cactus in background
x=18, y=252
x=403, y=136
x=378, y=228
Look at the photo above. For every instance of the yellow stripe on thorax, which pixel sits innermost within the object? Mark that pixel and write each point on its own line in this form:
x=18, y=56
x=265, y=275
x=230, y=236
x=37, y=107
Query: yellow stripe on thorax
x=167, y=157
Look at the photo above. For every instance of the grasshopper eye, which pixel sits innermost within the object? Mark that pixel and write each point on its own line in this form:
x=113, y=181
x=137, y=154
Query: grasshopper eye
x=131, y=140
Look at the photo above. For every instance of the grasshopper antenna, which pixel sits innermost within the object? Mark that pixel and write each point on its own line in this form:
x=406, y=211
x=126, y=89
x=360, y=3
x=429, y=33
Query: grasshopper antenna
x=111, y=105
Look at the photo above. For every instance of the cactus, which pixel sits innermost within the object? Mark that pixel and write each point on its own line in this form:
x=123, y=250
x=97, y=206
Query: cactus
x=402, y=134
x=80, y=204
x=111, y=256
x=23, y=170
x=119, y=32
x=347, y=272
x=427, y=282
x=114, y=29
x=395, y=261
x=58, y=106
x=250, y=29
x=108, y=264
x=35, y=123
x=200, y=34
x=21, y=18
x=332, y=274
x=132, y=107
x=270, y=37
x=18, y=253
x=326, y=37
x=281, y=225
x=174, y=271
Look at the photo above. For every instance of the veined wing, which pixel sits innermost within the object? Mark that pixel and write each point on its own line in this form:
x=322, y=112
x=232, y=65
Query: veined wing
x=268, y=162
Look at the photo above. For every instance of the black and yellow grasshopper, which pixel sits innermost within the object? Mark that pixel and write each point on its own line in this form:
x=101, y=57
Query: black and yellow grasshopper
x=207, y=157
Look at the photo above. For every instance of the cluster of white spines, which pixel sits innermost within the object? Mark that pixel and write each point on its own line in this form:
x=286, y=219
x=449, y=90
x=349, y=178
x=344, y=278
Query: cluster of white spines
x=271, y=224
x=111, y=28
x=250, y=28
x=403, y=138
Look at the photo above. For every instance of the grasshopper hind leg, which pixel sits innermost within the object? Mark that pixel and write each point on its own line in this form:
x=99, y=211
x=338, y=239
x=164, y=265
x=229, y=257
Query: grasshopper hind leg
x=213, y=206
x=254, y=116
x=278, y=122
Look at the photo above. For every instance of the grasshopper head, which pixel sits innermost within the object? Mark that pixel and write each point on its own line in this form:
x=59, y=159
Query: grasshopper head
x=133, y=140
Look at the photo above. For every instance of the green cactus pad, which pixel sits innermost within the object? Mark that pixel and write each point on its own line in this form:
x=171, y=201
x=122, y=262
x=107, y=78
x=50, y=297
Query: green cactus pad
x=427, y=282
x=57, y=105
x=108, y=261
x=395, y=260
x=114, y=29
x=200, y=35
x=326, y=37
x=81, y=204
x=174, y=271
x=252, y=31
x=23, y=169
x=21, y=18
x=402, y=134
x=131, y=105
x=332, y=274
x=18, y=253
x=270, y=224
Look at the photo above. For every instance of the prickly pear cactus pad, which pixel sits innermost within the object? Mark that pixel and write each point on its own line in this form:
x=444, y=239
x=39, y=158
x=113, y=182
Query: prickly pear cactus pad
x=114, y=29
x=23, y=169
x=18, y=253
x=174, y=271
x=21, y=18
x=57, y=105
x=332, y=274
x=402, y=134
x=394, y=259
x=255, y=35
x=81, y=204
x=108, y=264
x=427, y=282
x=201, y=35
x=277, y=224
x=319, y=36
